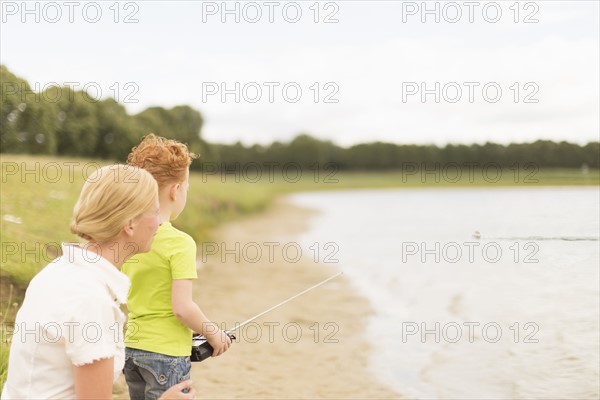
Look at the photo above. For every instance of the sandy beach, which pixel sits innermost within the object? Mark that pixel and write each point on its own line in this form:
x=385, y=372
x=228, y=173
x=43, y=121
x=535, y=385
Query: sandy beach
x=313, y=347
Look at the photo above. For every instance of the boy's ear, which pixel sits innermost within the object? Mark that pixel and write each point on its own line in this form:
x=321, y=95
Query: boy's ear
x=173, y=191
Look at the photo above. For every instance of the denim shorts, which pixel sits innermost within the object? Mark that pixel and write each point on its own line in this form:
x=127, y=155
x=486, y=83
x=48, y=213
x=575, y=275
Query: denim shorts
x=149, y=374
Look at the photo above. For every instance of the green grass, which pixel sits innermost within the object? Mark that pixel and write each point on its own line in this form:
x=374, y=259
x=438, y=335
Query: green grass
x=38, y=194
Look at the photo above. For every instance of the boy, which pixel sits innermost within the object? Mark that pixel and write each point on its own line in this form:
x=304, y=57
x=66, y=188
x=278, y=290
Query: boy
x=162, y=314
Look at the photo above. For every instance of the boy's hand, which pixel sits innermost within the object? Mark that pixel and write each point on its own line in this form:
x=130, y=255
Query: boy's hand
x=219, y=341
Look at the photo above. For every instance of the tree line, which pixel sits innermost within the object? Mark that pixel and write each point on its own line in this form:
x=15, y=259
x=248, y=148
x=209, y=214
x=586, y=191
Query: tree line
x=63, y=121
x=60, y=120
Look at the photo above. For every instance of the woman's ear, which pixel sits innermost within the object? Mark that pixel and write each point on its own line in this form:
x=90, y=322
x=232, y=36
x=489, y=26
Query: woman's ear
x=128, y=228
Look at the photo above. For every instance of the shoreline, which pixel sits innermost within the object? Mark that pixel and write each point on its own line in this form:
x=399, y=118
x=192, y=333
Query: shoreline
x=313, y=347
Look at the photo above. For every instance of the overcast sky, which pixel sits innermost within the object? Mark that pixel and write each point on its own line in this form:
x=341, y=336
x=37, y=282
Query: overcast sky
x=501, y=71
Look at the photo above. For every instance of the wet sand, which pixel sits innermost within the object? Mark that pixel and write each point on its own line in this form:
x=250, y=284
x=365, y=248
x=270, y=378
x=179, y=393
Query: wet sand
x=313, y=347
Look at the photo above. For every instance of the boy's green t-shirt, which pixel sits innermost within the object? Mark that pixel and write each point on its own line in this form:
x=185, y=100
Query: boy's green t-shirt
x=152, y=325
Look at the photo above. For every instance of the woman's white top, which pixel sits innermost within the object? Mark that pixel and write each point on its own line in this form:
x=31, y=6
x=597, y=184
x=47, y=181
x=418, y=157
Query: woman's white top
x=70, y=316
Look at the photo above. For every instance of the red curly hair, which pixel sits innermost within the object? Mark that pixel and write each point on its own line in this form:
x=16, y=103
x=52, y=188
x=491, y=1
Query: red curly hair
x=166, y=159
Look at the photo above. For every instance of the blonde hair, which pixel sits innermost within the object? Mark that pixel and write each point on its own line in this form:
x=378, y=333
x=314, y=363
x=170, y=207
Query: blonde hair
x=166, y=159
x=110, y=197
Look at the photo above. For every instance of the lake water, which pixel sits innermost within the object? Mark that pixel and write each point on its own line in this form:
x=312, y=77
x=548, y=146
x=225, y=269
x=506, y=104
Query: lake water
x=509, y=312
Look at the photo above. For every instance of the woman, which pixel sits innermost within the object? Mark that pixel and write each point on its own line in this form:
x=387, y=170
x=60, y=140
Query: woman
x=68, y=340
